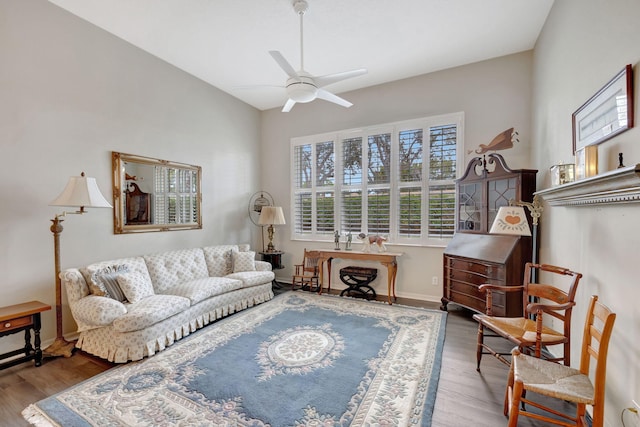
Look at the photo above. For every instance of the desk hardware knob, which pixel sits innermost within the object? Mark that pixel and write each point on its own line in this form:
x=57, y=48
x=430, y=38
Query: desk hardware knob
x=7, y=325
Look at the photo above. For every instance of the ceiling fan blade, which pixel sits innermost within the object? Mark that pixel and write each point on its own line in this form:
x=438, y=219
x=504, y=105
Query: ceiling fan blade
x=328, y=96
x=254, y=87
x=283, y=63
x=288, y=106
x=323, y=81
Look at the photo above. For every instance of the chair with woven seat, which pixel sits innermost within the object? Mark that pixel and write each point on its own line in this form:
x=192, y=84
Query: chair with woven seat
x=306, y=276
x=528, y=332
x=562, y=382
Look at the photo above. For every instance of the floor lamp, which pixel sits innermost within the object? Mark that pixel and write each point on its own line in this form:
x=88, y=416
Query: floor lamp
x=535, y=209
x=81, y=192
x=512, y=220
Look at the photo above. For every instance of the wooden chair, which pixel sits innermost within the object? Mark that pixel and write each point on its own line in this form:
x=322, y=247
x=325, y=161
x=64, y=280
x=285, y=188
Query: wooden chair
x=306, y=275
x=562, y=382
x=528, y=332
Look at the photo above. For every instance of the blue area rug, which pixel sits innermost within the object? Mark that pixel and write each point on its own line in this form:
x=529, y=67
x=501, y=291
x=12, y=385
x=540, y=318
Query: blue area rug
x=298, y=360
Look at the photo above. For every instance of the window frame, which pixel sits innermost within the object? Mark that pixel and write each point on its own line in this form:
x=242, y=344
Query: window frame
x=338, y=186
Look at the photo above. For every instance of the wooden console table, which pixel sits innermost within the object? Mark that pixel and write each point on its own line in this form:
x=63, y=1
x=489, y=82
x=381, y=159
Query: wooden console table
x=22, y=317
x=387, y=259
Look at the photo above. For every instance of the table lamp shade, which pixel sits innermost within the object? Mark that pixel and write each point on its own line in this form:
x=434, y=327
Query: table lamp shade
x=511, y=220
x=271, y=215
x=81, y=191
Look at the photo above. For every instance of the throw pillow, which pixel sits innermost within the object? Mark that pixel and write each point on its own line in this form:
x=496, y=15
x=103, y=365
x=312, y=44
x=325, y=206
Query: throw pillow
x=135, y=286
x=104, y=282
x=243, y=261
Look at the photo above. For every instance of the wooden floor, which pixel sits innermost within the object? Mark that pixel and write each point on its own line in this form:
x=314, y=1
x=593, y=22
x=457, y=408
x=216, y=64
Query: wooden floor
x=465, y=397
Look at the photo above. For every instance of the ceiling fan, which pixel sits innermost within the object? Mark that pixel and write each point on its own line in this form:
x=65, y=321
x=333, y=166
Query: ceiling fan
x=303, y=87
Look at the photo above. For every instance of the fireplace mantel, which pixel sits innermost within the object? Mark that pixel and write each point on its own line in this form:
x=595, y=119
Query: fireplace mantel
x=617, y=186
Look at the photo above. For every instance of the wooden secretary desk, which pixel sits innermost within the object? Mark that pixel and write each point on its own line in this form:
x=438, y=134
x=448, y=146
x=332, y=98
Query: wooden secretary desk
x=473, y=256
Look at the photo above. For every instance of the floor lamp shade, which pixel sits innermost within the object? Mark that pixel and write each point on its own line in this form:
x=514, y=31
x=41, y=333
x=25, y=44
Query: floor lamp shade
x=271, y=215
x=511, y=220
x=81, y=192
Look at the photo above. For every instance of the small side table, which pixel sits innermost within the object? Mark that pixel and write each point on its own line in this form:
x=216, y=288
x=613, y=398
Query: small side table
x=23, y=317
x=275, y=259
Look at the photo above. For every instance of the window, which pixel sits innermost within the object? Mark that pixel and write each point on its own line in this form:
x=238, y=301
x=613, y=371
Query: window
x=396, y=180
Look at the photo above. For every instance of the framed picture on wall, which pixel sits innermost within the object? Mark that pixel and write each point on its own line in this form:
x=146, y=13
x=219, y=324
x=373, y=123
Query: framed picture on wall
x=607, y=113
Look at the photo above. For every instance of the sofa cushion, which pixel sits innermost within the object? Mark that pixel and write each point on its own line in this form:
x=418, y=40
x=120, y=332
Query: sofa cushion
x=104, y=282
x=149, y=311
x=201, y=289
x=168, y=269
x=253, y=278
x=243, y=261
x=218, y=259
x=135, y=286
x=136, y=264
x=96, y=311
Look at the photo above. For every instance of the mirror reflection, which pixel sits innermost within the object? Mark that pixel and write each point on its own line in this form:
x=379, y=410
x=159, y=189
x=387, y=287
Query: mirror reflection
x=154, y=195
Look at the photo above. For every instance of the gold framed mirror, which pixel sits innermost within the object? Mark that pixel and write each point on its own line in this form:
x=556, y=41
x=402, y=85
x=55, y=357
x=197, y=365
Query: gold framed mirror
x=154, y=195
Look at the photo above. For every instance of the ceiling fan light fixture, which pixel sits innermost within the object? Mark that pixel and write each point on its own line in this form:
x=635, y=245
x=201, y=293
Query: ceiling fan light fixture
x=302, y=91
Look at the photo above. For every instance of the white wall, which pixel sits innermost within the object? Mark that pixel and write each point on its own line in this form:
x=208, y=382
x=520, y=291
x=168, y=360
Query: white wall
x=494, y=95
x=71, y=94
x=583, y=45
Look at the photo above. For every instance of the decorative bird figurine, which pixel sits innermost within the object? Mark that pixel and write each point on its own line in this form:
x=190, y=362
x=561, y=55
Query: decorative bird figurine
x=503, y=141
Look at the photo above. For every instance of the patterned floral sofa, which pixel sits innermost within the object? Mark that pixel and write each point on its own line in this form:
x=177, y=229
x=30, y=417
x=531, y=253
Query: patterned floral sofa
x=130, y=308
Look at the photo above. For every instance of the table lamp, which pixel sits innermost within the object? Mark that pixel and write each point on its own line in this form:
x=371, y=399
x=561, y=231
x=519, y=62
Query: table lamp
x=271, y=215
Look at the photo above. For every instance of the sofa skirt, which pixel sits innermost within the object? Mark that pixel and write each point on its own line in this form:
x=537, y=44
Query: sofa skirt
x=122, y=347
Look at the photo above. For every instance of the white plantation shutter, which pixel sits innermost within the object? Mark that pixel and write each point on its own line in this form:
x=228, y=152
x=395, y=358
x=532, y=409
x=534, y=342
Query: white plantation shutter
x=313, y=198
x=442, y=206
x=442, y=173
x=175, y=195
x=379, y=161
x=352, y=180
x=410, y=212
x=378, y=203
x=160, y=200
x=385, y=183
x=303, y=214
x=324, y=212
x=351, y=218
x=302, y=203
x=410, y=173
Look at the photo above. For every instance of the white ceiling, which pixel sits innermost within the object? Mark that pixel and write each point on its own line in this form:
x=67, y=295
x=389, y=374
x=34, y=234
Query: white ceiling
x=226, y=42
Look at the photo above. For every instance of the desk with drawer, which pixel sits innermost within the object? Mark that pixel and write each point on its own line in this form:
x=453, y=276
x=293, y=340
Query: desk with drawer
x=471, y=260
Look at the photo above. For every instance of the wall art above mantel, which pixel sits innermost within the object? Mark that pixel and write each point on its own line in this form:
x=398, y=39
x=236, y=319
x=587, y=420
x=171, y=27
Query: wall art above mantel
x=607, y=113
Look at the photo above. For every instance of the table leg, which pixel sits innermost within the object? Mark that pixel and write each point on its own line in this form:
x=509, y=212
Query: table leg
x=321, y=262
x=329, y=273
x=392, y=269
x=36, y=339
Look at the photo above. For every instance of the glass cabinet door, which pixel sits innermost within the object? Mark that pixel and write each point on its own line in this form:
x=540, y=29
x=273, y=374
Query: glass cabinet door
x=499, y=192
x=470, y=207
